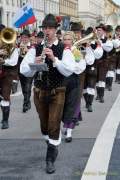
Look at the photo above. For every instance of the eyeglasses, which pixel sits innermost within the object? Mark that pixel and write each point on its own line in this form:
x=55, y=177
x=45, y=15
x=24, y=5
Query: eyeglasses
x=67, y=39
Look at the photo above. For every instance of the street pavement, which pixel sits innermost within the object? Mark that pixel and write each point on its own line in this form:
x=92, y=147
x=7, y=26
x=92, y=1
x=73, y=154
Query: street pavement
x=22, y=149
x=114, y=166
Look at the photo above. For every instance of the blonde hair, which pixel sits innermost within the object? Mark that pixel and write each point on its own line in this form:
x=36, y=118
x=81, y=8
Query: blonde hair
x=70, y=33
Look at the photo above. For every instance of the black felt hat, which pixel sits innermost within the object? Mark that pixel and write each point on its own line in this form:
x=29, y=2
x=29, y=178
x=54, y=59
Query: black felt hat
x=59, y=32
x=49, y=21
x=26, y=32
x=102, y=26
x=74, y=26
x=109, y=28
x=117, y=28
x=40, y=34
x=89, y=30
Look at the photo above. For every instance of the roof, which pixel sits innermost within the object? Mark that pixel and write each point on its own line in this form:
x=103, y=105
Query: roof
x=115, y=4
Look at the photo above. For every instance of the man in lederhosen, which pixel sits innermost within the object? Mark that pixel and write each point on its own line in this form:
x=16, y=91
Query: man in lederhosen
x=49, y=91
x=111, y=58
x=91, y=72
x=26, y=82
x=117, y=36
x=102, y=64
x=8, y=71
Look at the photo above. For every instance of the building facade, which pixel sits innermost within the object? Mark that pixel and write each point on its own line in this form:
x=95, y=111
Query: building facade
x=51, y=6
x=112, y=13
x=69, y=8
x=8, y=9
x=91, y=12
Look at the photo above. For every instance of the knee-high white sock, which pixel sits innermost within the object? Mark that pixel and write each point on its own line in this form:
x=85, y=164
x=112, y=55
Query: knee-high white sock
x=69, y=132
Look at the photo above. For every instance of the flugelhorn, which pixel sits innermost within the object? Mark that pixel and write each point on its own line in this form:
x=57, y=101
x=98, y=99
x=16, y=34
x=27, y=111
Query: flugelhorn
x=87, y=39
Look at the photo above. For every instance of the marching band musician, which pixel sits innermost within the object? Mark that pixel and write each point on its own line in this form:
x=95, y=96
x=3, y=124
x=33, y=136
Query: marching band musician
x=77, y=29
x=16, y=81
x=40, y=37
x=8, y=73
x=102, y=64
x=59, y=34
x=49, y=91
x=40, y=42
x=26, y=82
x=72, y=83
x=117, y=38
x=91, y=72
x=89, y=56
x=111, y=58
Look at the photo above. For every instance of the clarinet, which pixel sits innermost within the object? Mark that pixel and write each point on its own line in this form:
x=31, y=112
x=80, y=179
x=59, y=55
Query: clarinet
x=43, y=56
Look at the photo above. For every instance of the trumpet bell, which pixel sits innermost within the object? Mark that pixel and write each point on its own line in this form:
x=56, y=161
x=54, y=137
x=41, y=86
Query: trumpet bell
x=8, y=35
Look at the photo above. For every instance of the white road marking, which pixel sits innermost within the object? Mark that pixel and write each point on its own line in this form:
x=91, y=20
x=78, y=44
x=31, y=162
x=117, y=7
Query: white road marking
x=98, y=162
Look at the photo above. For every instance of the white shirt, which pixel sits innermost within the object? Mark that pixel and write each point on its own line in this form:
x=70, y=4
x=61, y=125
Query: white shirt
x=12, y=61
x=28, y=58
x=107, y=46
x=67, y=66
x=116, y=43
x=98, y=52
x=89, y=57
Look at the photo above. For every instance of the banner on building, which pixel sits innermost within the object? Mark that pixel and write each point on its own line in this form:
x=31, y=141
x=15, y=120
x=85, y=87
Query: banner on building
x=24, y=17
x=65, y=23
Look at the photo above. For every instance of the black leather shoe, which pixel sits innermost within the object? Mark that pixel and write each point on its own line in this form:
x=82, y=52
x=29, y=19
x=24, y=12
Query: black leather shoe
x=86, y=105
x=50, y=168
x=110, y=88
x=47, y=142
x=5, y=125
x=68, y=139
x=90, y=108
x=97, y=98
x=65, y=132
x=101, y=100
x=77, y=123
x=26, y=107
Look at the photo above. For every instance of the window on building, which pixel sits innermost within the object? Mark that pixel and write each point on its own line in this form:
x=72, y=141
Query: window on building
x=0, y=17
x=18, y=3
x=21, y=3
x=7, y=1
x=8, y=19
x=13, y=3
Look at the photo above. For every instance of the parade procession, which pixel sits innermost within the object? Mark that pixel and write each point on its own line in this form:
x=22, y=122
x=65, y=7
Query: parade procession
x=59, y=85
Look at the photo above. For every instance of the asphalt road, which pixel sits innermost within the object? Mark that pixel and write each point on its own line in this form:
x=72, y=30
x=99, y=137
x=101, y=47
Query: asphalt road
x=22, y=149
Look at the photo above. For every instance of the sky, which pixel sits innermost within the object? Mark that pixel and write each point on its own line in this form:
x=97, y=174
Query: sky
x=117, y=1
